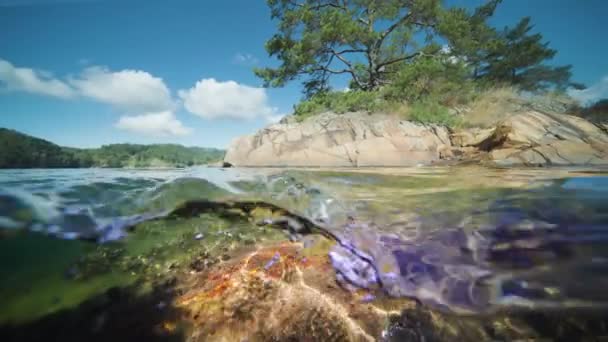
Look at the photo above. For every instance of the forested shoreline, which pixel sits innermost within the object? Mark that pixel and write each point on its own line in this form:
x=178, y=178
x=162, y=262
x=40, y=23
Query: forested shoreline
x=19, y=150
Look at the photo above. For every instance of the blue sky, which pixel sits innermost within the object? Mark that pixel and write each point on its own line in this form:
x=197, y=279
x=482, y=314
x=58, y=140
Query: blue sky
x=92, y=72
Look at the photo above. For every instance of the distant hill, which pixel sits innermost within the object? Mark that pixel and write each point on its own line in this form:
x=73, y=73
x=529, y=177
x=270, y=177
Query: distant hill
x=18, y=150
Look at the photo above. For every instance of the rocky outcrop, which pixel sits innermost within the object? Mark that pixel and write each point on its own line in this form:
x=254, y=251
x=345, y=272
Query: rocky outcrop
x=529, y=138
x=540, y=139
x=352, y=139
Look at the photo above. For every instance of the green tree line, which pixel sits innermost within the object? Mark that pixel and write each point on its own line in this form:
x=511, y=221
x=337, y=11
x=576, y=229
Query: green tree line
x=19, y=150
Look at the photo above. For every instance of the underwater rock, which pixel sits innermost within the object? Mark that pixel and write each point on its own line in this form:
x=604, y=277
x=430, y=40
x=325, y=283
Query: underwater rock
x=258, y=297
x=450, y=269
x=477, y=271
x=368, y=298
x=275, y=258
x=412, y=325
x=352, y=268
x=439, y=270
x=202, y=261
x=278, y=291
x=275, y=293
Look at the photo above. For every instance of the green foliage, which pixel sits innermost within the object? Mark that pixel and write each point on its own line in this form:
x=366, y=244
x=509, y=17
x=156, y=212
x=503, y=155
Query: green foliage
x=23, y=151
x=431, y=112
x=378, y=43
x=518, y=58
x=513, y=56
x=430, y=82
x=468, y=34
x=395, y=53
x=321, y=38
x=442, y=78
x=340, y=102
x=130, y=155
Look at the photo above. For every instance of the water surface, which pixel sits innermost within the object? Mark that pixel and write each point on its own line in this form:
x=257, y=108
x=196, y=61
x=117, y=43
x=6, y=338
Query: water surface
x=47, y=266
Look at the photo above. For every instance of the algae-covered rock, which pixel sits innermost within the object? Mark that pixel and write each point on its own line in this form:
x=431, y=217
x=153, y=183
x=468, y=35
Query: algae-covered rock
x=293, y=298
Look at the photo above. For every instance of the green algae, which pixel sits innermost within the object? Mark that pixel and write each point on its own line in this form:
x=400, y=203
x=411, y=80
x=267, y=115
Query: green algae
x=36, y=271
x=33, y=281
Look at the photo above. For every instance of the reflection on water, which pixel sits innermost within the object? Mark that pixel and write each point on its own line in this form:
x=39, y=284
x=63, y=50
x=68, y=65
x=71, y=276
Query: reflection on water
x=461, y=240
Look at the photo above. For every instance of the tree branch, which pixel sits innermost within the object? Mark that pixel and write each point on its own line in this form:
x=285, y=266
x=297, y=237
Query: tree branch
x=396, y=24
x=335, y=72
x=338, y=55
x=342, y=71
x=351, y=51
x=350, y=70
x=393, y=27
x=319, y=6
x=401, y=59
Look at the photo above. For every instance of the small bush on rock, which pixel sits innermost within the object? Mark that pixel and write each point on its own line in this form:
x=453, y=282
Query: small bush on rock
x=431, y=112
x=340, y=102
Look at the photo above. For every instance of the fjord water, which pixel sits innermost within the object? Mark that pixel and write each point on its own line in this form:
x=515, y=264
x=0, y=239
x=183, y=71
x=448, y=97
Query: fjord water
x=47, y=266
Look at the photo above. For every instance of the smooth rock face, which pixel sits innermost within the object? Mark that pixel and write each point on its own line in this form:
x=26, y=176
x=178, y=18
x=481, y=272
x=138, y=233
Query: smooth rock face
x=470, y=137
x=351, y=139
x=528, y=138
x=538, y=139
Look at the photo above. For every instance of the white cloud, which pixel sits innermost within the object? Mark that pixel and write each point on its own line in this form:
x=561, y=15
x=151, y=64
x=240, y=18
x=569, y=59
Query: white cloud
x=134, y=92
x=154, y=124
x=32, y=81
x=211, y=99
x=129, y=90
x=592, y=94
x=245, y=58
